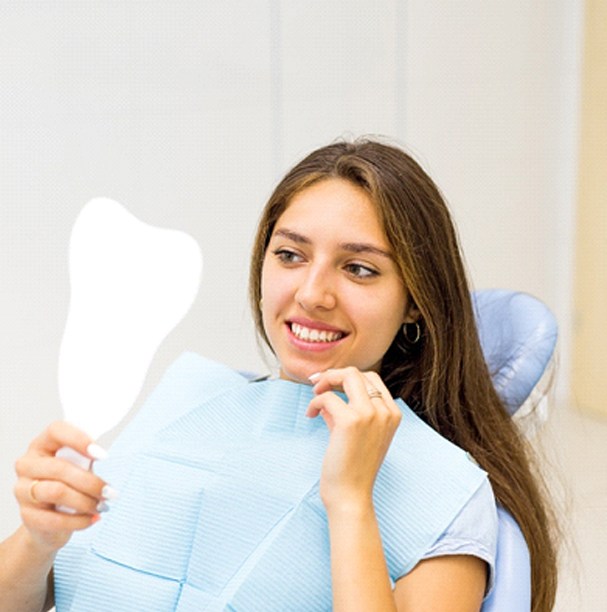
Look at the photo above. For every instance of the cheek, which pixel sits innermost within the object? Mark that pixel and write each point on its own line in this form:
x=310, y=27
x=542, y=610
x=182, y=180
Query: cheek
x=374, y=322
x=385, y=323
x=268, y=283
x=268, y=278
x=275, y=293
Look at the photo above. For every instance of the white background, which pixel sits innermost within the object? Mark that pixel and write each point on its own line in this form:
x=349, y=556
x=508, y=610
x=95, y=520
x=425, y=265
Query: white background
x=188, y=112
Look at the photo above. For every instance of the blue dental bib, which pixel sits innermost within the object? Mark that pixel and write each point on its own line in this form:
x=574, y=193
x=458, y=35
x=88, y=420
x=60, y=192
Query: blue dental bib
x=220, y=507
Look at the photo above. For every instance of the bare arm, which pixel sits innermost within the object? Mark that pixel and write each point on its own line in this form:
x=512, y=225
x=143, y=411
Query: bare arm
x=45, y=481
x=361, y=433
x=361, y=581
x=24, y=573
x=358, y=566
x=454, y=583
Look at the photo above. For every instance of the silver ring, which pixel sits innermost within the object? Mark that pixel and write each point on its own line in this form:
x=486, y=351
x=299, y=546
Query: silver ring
x=372, y=392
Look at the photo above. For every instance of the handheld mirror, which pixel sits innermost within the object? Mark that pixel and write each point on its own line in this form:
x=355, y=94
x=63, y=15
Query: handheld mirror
x=131, y=284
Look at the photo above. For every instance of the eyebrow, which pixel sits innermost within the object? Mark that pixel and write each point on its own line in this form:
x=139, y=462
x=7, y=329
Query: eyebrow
x=353, y=247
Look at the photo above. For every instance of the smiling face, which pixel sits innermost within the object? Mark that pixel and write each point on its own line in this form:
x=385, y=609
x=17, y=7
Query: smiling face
x=332, y=294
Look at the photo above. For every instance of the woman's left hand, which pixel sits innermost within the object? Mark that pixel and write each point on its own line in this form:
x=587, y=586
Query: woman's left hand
x=361, y=431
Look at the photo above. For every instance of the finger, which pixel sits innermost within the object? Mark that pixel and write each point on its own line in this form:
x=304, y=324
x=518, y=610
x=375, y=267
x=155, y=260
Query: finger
x=329, y=405
x=376, y=381
x=367, y=395
x=387, y=402
x=44, y=468
x=351, y=380
x=49, y=521
x=60, y=434
x=376, y=390
x=46, y=494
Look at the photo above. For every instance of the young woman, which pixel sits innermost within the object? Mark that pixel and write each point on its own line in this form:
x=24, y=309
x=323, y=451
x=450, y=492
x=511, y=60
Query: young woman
x=329, y=487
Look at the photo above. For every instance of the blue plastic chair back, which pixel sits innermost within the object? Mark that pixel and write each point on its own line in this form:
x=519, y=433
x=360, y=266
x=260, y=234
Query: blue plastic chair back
x=518, y=335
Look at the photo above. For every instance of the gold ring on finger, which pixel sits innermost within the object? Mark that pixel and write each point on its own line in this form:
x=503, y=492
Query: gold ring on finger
x=372, y=392
x=32, y=495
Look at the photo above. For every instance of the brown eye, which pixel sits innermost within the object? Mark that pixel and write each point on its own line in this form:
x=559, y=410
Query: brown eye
x=360, y=271
x=287, y=256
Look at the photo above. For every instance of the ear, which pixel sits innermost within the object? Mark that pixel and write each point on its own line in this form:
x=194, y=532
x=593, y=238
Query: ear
x=412, y=314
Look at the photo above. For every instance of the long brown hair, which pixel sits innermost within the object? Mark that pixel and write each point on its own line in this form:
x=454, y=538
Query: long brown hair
x=443, y=376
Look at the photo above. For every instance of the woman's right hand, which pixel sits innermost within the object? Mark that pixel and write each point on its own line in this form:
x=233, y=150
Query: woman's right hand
x=46, y=481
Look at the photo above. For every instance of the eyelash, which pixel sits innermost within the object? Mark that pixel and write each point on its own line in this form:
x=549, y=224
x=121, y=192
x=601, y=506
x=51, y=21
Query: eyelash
x=358, y=271
x=286, y=256
x=367, y=272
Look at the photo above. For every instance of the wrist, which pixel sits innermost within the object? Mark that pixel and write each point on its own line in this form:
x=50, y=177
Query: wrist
x=35, y=548
x=347, y=508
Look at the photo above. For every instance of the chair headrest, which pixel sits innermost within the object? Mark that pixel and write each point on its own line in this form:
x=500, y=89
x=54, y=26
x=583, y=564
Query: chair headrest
x=518, y=336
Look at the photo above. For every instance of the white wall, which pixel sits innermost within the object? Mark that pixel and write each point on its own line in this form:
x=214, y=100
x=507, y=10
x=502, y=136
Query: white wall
x=188, y=112
x=482, y=107
x=491, y=107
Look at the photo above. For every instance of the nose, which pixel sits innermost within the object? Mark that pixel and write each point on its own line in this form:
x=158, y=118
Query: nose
x=316, y=289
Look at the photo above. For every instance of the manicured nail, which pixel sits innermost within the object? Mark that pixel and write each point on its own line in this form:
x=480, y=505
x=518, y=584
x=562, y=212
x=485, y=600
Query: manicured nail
x=95, y=518
x=314, y=377
x=109, y=493
x=96, y=452
x=102, y=507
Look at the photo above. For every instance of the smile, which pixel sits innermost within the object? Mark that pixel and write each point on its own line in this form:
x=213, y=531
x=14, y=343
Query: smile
x=307, y=334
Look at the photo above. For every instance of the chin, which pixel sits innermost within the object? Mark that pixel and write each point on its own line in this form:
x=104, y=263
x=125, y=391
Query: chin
x=299, y=370
x=297, y=375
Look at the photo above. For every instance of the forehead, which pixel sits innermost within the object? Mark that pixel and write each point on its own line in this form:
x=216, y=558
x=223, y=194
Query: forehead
x=334, y=206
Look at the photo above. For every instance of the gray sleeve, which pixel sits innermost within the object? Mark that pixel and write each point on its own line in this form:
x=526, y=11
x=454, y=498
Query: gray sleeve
x=472, y=532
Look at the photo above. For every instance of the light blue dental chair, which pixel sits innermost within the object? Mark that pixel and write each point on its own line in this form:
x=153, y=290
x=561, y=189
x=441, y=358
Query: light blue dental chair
x=518, y=335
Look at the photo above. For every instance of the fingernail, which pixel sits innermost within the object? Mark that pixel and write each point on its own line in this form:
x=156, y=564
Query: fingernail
x=314, y=377
x=96, y=452
x=95, y=518
x=102, y=507
x=109, y=493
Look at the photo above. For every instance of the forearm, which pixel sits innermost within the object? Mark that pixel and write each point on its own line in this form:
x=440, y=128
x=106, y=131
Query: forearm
x=359, y=572
x=24, y=571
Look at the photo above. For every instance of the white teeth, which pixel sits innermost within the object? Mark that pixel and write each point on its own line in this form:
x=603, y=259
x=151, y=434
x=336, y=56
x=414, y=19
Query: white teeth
x=314, y=335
